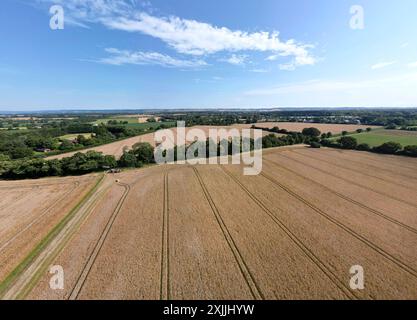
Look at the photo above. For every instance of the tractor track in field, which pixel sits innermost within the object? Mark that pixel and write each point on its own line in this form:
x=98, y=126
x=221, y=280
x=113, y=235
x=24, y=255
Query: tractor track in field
x=376, y=161
x=246, y=273
x=38, y=218
x=39, y=185
x=23, y=283
x=352, y=182
x=350, y=231
x=359, y=204
x=164, y=289
x=102, y=239
x=18, y=198
x=360, y=172
x=299, y=243
x=374, y=167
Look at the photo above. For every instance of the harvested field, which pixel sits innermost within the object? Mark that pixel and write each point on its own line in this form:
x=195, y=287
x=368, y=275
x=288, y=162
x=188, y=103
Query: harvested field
x=323, y=127
x=209, y=232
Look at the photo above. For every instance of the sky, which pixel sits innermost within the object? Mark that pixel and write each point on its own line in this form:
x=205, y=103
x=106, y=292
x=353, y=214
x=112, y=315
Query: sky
x=138, y=54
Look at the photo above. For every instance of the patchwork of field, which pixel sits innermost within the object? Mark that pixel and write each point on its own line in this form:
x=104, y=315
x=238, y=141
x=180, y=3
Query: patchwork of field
x=30, y=209
x=378, y=137
x=209, y=232
x=323, y=127
x=117, y=148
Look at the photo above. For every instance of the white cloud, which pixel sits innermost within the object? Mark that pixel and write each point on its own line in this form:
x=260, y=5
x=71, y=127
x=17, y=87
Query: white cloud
x=198, y=38
x=185, y=36
x=123, y=57
x=272, y=57
x=412, y=65
x=236, y=59
x=382, y=65
x=405, y=45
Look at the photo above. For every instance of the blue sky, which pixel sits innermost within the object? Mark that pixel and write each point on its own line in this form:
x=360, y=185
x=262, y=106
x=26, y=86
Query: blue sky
x=207, y=54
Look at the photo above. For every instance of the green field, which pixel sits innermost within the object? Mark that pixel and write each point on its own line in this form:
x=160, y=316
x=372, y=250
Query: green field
x=130, y=120
x=134, y=124
x=378, y=137
x=150, y=125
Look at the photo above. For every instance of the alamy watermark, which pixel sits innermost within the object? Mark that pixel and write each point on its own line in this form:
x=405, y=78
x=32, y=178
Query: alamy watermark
x=56, y=282
x=221, y=146
x=357, y=20
x=57, y=21
x=357, y=280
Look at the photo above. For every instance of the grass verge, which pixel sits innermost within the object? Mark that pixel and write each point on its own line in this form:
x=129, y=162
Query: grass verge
x=5, y=284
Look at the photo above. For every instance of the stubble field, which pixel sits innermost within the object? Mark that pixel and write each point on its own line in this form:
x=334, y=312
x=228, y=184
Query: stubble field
x=209, y=232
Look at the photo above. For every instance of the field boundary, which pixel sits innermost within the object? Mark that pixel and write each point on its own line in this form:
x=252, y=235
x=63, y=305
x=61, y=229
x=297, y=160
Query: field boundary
x=92, y=258
x=63, y=243
x=38, y=218
x=10, y=279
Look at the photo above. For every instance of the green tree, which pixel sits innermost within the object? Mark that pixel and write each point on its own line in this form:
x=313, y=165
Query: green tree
x=311, y=132
x=144, y=152
x=4, y=157
x=128, y=160
x=348, y=142
x=66, y=145
x=107, y=162
x=81, y=139
x=363, y=147
x=21, y=152
x=411, y=151
x=388, y=148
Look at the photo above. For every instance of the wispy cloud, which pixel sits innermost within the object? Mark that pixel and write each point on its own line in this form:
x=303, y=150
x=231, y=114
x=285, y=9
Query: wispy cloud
x=185, y=36
x=122, y=57
x=198, y=38
x=382, y=65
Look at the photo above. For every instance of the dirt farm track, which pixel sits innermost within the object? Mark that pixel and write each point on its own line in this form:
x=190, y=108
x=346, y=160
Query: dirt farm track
x=209, y=232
